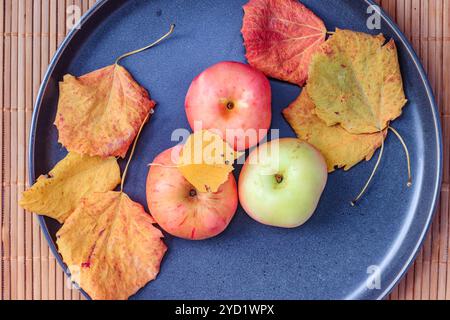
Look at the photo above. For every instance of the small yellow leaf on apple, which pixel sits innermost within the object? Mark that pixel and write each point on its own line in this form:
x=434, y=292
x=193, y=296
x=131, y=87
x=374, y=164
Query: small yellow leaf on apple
x=206, y=161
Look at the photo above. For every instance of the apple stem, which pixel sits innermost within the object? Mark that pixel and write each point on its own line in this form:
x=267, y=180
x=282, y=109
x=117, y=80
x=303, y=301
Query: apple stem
x=122, y=183
x=408, y=157
x=172, y=27
x=279, y=178
x=366, y=186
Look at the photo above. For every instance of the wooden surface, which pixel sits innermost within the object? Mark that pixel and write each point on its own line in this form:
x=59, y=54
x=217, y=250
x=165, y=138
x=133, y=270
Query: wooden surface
x=32, y=30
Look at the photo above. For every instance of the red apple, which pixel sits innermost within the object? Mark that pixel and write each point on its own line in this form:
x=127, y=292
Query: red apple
x=233, y=100
x=183, y=211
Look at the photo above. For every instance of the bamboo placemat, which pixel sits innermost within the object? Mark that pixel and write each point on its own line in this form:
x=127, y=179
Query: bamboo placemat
x=32, y=30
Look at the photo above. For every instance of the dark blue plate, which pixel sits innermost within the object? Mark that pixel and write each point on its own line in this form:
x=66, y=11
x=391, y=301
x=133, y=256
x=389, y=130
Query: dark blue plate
x=337, y=252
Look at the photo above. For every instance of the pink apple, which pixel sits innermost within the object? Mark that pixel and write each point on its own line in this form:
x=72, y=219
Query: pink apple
x=282, y=181
x=233, y=100
x=183, y=211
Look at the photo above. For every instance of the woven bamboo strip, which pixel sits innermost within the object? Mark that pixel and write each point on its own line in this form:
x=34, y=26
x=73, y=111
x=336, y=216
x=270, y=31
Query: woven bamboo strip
x=402, y=290
x=409, y=283
x=400, y=13
x=91, y=2
x=53, y=36
x=446, y=84
x=440, y=246
x=2, y=255
x=47, y=290
x=434, y=256
x=2, y=213
x=446, y=252
x=431, y=19
x=432, y=74
x=439, y=26
x=389, y=7
x=443, y=245
x=446, y=128
x=6, y=244
x=425, y=293
x=85, y=6
x=13, y=152
x=27, y=123
x=61, y=22
x=20, y=145
x=424, y=33
x=37, y=270
x=408, y=13
x=415, y=24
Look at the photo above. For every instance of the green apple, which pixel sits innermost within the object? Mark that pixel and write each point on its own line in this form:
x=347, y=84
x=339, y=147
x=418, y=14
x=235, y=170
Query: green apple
x=282, y=181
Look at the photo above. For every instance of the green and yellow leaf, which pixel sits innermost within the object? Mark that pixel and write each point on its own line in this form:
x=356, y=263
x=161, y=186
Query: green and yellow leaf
x=355, y=81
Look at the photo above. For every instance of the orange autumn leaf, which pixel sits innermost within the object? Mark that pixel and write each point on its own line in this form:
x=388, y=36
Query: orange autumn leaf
x=110, y=246
x=280, y=37
x=206, y=161
x=340, y=148
x=99, y=114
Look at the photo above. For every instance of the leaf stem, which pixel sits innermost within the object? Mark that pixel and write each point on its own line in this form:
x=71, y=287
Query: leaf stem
x=363, y=191
x=408, y=158
x=122, y=183
x=163, y=165
x=172, y=27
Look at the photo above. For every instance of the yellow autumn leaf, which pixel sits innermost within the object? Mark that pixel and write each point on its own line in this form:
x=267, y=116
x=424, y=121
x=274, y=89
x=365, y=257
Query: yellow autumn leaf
x=355, y=81
x=57, y=194
x=340, y=148
x=206, y=161
x=110, y=246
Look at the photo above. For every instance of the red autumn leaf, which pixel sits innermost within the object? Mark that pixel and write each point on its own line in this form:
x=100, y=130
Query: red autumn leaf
x=280, y=37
